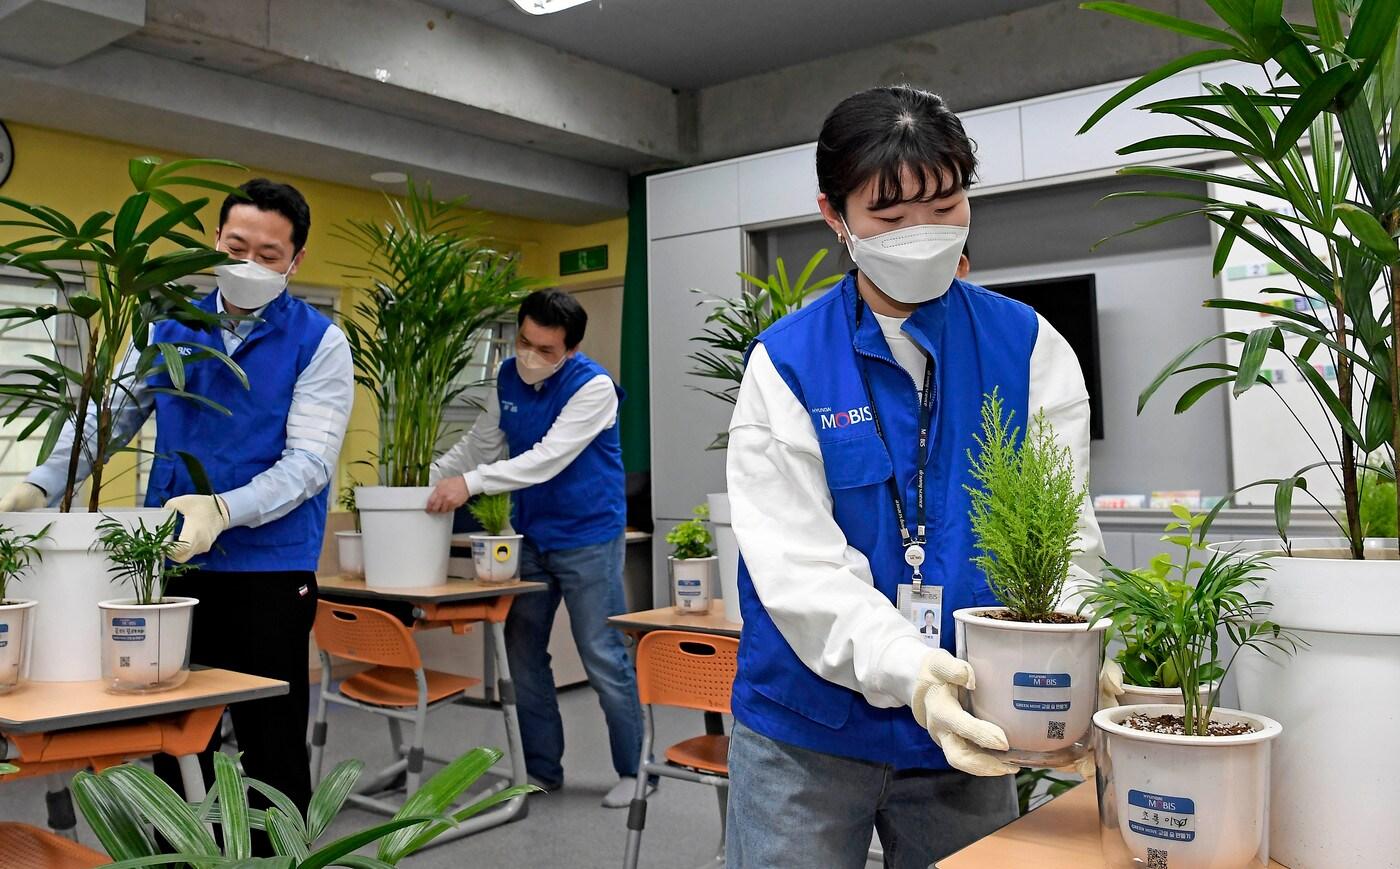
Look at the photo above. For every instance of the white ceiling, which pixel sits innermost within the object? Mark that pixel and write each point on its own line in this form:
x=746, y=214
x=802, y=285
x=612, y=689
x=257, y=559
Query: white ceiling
x=692, y=44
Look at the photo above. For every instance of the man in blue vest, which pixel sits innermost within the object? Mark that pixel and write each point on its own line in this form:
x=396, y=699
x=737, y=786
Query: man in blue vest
x=269, y=461
x=549, y=435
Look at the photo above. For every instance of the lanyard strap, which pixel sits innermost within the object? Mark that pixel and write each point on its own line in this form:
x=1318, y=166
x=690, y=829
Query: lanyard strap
x=913, y=544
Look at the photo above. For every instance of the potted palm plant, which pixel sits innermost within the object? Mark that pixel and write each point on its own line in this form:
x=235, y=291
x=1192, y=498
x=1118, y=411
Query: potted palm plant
x=350, y=545
x=692, y=564
x=1320, y=201
x=1185, y=782
x=146, y=637
x=731, y=328
x=1037, y=663
x=496, y=549
x=18, y=552
x=114, y=274
x=435, y=282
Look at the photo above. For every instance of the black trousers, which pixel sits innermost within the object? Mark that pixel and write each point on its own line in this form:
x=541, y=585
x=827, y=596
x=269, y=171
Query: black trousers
x=256, y=623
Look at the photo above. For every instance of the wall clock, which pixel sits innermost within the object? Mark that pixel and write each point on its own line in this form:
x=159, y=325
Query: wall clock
x=7, y=154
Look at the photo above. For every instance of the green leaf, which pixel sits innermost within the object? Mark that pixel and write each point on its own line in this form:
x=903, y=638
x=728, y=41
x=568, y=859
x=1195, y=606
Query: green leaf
x=1171, y=368
x=1181, y=511
x=1283, y=503
x=285, y=834
x=1315, y=99
x=1167, y=22
x=124, y=230
x=174, y=364
x=1252, y=358
x=84, y=307
x=153, y=800
x=233, y=803
x=330, y=796
x=1199, y=58
x=195, y=469
x=282, y=803
x=1369, y=232
x=1324, y=391
x=1198, y=391
x=140, y=170
x=337, y=850
x=438, y=793
x=121, y=831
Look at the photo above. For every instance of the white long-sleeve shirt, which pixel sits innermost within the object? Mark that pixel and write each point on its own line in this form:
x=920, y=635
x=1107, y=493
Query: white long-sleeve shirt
x=321, y=402
x=817, y=588
x=481, y=455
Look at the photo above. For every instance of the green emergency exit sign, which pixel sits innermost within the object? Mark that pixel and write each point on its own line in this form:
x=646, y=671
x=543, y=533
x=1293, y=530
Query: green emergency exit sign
x=584, y=259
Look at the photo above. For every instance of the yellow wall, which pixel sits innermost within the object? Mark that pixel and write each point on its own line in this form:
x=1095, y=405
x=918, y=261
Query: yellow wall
x=79, y=175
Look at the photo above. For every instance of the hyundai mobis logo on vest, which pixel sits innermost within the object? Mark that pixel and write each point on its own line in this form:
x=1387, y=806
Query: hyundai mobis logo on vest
x=826, y=418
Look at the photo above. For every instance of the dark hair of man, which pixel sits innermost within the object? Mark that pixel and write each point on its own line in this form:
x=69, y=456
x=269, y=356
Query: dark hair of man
x=267, y=195
x=883, y=131
x=556, y=309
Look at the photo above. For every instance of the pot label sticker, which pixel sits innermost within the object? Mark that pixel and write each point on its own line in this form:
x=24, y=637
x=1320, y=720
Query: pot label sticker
x=4, y=640
x=129, y=630
x=1040, y=692
x=1163, y=817
x=502, y=552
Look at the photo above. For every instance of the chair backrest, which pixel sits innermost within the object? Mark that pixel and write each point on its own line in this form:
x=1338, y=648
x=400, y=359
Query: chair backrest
x=689, y=670
x=364, y=634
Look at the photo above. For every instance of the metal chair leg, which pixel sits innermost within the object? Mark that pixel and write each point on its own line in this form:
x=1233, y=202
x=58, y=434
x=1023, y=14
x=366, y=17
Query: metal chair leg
x=318, y=729
x=723, y=794
x=637, y=811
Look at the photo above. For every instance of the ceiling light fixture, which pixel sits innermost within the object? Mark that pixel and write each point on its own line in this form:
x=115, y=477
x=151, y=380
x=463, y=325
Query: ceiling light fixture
x=544, y=7
x=388, y=177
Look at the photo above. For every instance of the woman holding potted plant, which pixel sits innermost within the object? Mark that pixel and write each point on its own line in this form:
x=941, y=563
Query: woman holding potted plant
x=847, y=466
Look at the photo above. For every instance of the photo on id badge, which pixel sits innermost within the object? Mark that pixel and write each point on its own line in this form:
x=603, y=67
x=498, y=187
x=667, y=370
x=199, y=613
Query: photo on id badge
x=924, y=610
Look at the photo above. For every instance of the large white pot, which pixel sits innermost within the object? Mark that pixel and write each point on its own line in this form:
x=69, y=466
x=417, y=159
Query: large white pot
x=68, y=584
x=405, y=545
x=350, y=552
x=1037, y=682
x=1139, y=694
x=15, y=617
x=692, y=583
x=1183, y=802
x=496, y=557
x=1338, y=699
x=146, y=647
x=728, y=547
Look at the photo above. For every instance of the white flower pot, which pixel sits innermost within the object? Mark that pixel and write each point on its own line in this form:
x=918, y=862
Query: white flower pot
x=496, y=557
x=1039, y=683
x=350, y=550
x=727, y=546
x=692, y=583
x=68, y=584
x=146, y=647
x=1338, y=700
x=1183, y=802
x=405, y=545
x=1139, y=694
x=16, y=615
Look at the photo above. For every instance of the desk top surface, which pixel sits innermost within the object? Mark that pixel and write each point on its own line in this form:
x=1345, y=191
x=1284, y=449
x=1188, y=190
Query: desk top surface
x=667, y=619
x=450, y=591
x=39, y=707
x=1062, y=834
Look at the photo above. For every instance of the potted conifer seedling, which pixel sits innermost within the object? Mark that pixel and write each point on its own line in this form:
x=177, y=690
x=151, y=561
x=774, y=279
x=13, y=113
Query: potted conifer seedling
x=692, y=563
x=1186, y=784
x=350, y=545
x=1037, y=664
x=17, y=553
x=145, y=638
x=496, y=549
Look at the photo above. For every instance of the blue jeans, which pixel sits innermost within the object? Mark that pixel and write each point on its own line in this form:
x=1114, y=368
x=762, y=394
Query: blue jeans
x=789, y=806
x=589, y=580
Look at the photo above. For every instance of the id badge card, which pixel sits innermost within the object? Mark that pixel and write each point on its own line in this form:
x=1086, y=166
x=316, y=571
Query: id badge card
x=924, y=610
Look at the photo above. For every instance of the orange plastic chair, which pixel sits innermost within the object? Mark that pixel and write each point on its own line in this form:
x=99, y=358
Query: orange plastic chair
x=397, y=687
x=26, y=847
x=689, y=671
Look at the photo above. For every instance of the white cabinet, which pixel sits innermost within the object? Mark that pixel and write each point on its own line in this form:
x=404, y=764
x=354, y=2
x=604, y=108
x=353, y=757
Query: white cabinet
x=693, y=201
x=778, y=186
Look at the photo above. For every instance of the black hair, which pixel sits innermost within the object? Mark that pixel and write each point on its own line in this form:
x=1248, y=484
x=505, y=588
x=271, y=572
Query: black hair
x=555, y=309
x=879, y=132
x=267, y=195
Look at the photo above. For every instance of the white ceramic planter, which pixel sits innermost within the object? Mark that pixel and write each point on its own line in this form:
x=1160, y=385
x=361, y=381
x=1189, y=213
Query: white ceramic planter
x=68, y=584
x=727, y=545
x=16, y=615
x=405, y=545
x=496, y=558
x=1183, y=802
x=1039, y=683
x=1338, y=700
x=692, y=583
x=146, y=647
x=350, y=549
x=1139, y=694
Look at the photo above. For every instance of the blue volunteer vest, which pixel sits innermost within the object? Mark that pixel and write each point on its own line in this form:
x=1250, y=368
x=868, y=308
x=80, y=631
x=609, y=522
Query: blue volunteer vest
x=977, y=340
x=235, y=448
x=584, y=504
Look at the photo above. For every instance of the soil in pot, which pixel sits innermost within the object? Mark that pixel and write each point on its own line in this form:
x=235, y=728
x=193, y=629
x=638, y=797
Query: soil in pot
x=1175, y=725
x=1050, y=619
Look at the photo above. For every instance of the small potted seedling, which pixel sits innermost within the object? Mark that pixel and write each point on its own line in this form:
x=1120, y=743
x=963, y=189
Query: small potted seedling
x=692, y=563
x=1037, y=664
x=17, y=553
x=145, y=638
x=1186, y=784
x=496, y=549
x=350, y=545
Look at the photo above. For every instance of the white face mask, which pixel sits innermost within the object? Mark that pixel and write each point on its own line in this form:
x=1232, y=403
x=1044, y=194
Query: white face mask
x=250, y=285
x=910, y=265
x=534, y=369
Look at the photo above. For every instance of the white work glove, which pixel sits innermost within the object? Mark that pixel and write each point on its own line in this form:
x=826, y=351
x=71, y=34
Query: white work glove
x=206, y=517
x=23, y=498
x=960, y=735
x=1110, y=689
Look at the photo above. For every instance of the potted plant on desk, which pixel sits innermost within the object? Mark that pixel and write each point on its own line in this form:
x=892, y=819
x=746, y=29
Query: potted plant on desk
x=1037, y=664
x=692, y=564
x=18, y=552
x=350, y=545
x=496, y=550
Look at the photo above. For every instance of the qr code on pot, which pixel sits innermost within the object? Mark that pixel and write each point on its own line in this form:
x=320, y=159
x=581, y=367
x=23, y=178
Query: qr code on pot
x=1156, y=859
x=1055, y=730
x=125, y=661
